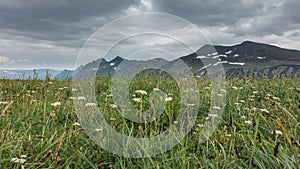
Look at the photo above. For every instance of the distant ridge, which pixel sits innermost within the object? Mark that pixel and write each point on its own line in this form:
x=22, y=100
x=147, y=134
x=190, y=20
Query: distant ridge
x=245, y=59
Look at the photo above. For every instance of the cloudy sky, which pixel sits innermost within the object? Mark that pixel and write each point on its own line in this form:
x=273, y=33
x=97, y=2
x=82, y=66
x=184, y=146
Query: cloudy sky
x=51, y=33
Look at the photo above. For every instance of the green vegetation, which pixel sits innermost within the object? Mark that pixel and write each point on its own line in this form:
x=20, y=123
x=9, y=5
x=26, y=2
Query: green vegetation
x=259, y=129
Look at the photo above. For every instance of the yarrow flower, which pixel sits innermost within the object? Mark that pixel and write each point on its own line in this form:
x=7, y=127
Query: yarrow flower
x=81, y=98
x=248, y=122
x=138, y=100
x=264, y=110
x=277, y=132
x=212, y=115
x=168, y=99
x=217, y=108
x=156, y=89
x=142, y=92
x=4, y=103
x=98, y=129
x=20, y=160
x=90, y=104
x=55, y=104
x=110, y=95
x=76, y=124
x=113, y=106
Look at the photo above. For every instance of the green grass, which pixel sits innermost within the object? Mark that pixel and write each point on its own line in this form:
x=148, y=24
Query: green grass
x=245, y=138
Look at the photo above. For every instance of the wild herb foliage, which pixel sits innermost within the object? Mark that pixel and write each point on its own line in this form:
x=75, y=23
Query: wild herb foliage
x=260, y=126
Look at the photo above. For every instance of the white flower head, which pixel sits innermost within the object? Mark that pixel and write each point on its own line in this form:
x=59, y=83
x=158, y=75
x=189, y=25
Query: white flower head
x=110, y=95
x=55, y=104
x=142, y=92
x=277, y=132
x=248, y=122
x=98, y=129
x=90, y=104
x=138, y=100
x=81, y=98
x=113, y=106
x=168, y=99
x=18, y=160
x=212, y=115
x=76, y=124
x=156, y=89
x=4, y=103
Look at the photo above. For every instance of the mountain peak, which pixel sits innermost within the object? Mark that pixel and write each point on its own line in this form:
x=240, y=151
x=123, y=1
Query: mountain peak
x=117, y=59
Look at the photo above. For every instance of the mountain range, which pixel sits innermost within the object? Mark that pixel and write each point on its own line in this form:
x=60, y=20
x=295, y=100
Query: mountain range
x=246, y=59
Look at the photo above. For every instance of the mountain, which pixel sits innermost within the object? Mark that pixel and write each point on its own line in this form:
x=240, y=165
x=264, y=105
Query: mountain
x=246, y=59
x=65, y=74
x=28, y=74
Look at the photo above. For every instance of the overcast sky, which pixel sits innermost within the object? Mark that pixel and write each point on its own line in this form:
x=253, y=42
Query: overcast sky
x=51, y=33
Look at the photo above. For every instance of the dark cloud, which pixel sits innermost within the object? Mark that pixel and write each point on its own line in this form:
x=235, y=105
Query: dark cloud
x=57, y=19
x=210, y=12
x=59, y=28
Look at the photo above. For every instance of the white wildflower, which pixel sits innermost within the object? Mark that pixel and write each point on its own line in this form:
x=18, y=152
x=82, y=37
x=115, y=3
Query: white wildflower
x=113, y=106
x=212, y=115
x=220, y=95
x=81, y=98
x=90, y=104
x=168, y=99
x=74, y=90
x=276, y=98
x=142, y=92
x=23, y=156
x=217, y=108
x=234, y=88
x=190, y=104
x=110, y=95
x=156, y=89
x=241, y=101
x=138, y=100
x=50, y=82
x=98, y=129
x=200, y=125
x=18, y=160
x=55, y=104
x=4, y=103
x=223, y=90
x=248, y=122
x=76, y=124
x=184, y=79
x=264, y=110
x=277, y=132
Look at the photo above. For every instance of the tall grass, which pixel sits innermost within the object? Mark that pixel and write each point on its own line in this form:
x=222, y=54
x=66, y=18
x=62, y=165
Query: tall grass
x=260, y=126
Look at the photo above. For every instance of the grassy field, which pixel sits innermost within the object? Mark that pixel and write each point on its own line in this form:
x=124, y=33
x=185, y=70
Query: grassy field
x=260, y=126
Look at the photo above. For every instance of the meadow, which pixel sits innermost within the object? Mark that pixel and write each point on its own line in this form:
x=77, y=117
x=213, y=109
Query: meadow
x=260, y=126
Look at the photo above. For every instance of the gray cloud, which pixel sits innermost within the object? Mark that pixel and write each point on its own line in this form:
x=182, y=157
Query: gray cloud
x=49, y=30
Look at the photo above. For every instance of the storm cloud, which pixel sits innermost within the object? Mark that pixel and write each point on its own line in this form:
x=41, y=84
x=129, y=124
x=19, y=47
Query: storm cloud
x=40, y=32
